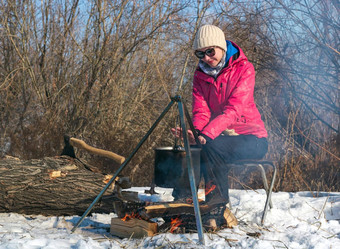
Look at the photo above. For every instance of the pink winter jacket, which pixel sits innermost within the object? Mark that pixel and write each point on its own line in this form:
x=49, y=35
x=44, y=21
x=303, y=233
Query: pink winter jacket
x=227, y=103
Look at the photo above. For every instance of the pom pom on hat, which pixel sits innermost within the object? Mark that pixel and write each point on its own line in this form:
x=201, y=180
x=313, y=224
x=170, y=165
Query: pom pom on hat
x=208, y=36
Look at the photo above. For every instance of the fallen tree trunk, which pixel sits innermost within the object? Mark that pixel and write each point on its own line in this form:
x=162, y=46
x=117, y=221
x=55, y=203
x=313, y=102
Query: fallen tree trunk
x=51, y=186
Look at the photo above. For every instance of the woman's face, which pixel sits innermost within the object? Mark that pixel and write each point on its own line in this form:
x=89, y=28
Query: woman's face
x=212, y=60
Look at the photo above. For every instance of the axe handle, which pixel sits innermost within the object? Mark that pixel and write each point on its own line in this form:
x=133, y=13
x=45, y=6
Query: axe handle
x=81, y=144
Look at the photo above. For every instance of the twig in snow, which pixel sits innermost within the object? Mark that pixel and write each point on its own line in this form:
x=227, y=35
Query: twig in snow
x=169, y=242
x=285, y=246
x=323, y=207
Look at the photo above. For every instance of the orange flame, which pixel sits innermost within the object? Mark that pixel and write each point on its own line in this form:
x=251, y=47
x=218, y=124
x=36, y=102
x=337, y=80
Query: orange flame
x=130, y=216
x=209, y=187
x=175, y=223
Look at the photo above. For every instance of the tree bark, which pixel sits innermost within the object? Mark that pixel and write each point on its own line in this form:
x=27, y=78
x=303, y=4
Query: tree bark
x=51, y=186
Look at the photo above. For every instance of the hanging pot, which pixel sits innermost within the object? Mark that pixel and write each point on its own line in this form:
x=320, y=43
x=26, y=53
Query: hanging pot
x=171, y=167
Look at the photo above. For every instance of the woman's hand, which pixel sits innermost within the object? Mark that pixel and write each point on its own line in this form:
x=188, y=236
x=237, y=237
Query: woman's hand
x=177, y=132
x=202, y=140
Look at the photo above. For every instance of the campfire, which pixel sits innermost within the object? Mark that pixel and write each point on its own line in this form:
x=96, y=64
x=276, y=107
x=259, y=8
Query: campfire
x=138, y=219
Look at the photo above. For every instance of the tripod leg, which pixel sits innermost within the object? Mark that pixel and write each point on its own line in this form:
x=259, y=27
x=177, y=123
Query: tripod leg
x=191, y=175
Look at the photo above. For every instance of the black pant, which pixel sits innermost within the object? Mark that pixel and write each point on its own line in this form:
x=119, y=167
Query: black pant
x=225, y=149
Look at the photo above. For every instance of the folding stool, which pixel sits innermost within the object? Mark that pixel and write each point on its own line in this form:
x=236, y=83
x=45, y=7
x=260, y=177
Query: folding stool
x=259, y=164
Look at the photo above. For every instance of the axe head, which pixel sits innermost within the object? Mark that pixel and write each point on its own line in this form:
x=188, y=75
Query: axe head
x=68, y=148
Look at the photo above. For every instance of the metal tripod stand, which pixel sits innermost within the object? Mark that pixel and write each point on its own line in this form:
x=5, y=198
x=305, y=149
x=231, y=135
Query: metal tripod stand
x=183, y=112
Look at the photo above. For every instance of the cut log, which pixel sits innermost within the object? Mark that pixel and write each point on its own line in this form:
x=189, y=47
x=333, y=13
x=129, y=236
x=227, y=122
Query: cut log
x=229, y=218
x=132, y=228
x=172, y=209
x=51, y=186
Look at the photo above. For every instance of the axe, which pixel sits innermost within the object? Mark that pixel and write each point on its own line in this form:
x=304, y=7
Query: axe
x=71, y=141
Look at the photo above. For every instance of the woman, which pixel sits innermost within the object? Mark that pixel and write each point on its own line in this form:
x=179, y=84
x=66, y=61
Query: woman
x=224, y=113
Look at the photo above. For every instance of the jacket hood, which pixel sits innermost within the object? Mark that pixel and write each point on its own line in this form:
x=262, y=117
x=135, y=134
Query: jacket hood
x=231, y=50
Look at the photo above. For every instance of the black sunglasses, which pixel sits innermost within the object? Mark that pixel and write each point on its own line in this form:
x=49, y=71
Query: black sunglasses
x=200, y=54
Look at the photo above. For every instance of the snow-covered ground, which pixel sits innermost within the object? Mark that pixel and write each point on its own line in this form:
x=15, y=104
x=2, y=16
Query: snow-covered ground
x=297, y=220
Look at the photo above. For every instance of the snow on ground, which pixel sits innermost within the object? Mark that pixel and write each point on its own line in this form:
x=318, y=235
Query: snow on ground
x=298, y=220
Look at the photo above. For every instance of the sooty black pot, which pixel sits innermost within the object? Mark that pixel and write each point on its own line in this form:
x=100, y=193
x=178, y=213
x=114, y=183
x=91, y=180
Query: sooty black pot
x=171, y=169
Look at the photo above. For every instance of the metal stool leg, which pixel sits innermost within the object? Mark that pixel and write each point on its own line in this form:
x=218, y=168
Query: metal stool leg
x=265, y=182
x=269, y=194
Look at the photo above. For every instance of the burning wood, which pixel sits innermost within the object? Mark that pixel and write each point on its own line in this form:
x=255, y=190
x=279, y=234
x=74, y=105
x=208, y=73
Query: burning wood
x=209, y=188
x=175, y=223
x=178, y=216
x=132, y=216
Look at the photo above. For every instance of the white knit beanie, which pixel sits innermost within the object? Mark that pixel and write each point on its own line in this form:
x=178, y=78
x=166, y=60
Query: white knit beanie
x=208, y=36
